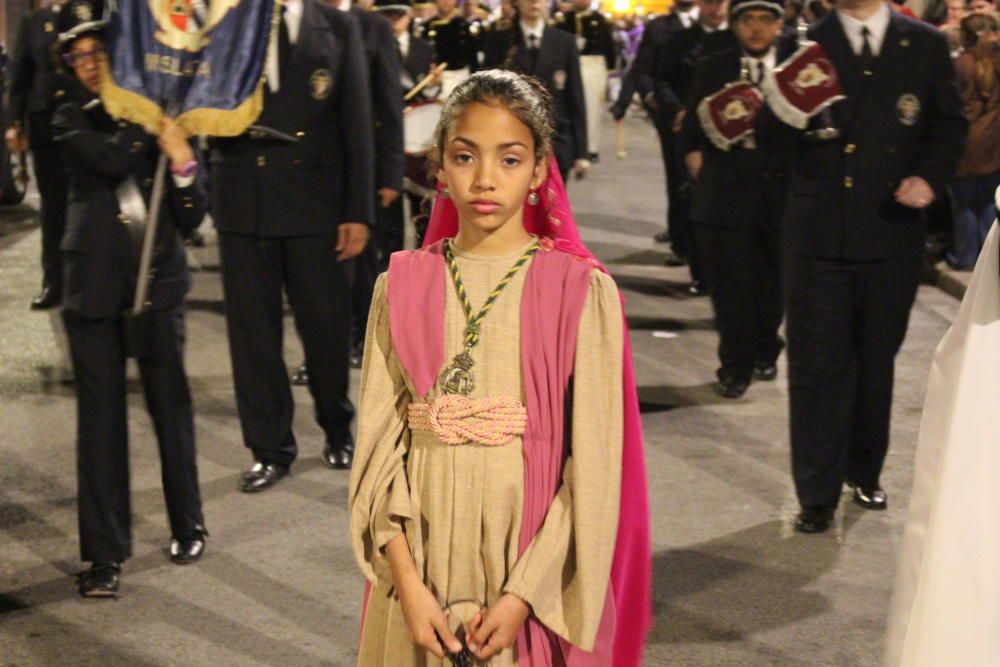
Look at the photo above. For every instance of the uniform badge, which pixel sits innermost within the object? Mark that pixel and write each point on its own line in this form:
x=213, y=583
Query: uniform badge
x=320, y=84
x=908, y=109
x=559, y=79
x=49, y=27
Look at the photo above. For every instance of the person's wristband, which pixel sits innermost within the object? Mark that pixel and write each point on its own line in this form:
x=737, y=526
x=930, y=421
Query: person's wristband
x=186, y=171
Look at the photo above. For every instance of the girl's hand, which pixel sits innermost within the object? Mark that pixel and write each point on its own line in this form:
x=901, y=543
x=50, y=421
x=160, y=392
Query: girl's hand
x=173, y=142
x=495, y=628
x=426, y=621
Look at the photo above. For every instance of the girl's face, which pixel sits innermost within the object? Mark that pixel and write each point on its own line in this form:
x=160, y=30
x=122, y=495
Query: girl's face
x=488, y=164
x=85, y=57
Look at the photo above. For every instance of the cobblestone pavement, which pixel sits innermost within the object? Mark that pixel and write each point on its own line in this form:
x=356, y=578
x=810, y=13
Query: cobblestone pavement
x=734, y=586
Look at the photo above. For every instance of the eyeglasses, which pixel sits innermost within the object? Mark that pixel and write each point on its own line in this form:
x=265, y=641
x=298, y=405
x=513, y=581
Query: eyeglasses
x=77, y=58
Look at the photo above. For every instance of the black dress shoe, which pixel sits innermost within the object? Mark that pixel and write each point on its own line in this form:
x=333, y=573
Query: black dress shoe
x=871, y=499
x=814, y=519
x=662, y=237
x=338, y=457
x=594, y=157
x=673, y=259
x=300, y=377
x=100, y=581
x=730, y=387
x=697, y=288
x=188, y=550
x=765, y=371
x=49, y=297
x=262, y=476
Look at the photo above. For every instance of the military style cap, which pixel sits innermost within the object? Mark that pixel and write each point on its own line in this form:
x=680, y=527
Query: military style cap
x=404, y=6
x=80, y=17
x=737, y=7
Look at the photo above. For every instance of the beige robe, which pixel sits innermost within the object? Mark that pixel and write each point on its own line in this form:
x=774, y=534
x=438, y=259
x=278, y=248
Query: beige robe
x=460, y=506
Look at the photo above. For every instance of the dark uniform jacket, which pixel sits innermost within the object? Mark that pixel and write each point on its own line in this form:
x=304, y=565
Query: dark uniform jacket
x=455, y=41
x=904, y=120
x=34, y=87
x=731, y=182
x=387, y=102
x=101, y=257
x=273, y=188
x=673, y=68
x=558, y=68
x=594, y=28
x=418, y=62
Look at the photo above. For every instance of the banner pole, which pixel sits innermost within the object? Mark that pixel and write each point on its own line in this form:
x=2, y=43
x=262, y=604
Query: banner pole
x=149, y=241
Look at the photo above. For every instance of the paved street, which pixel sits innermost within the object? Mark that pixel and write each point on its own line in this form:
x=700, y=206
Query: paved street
x=734, y=586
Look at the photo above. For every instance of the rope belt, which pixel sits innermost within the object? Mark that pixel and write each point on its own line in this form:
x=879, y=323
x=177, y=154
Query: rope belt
x=457, y=420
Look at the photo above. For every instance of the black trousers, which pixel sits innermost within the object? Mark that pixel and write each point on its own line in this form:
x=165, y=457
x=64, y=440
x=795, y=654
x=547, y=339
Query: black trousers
x=744, y=268
x=255, y=272
x=98, y=350
x=846, y=321
x=53, y=189
x=683, y=239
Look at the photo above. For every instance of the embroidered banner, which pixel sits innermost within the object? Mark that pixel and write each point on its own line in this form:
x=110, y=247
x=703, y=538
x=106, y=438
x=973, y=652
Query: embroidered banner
x=198, y=61
x=729, y=115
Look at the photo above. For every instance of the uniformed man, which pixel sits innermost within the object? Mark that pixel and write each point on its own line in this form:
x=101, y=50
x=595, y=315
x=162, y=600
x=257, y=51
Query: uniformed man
x=855, y=233
x=597, y=57
x=455, y=43
x=672, y=72
x=738, y=201
x=639, y=78
x=531, y=47
x=417, y=60
x=35, y=91
x=308, y=167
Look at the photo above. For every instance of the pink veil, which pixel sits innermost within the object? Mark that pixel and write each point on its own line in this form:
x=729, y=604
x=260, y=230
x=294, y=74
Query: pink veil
x=631, y=572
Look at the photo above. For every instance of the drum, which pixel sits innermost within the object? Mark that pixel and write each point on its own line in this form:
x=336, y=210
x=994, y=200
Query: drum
x=419, y=123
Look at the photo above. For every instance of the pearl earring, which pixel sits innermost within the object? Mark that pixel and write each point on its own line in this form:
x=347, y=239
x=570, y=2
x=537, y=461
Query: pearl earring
x=444, y=193
x=533, y=197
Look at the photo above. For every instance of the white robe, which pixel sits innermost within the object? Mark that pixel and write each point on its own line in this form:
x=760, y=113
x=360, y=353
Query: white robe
x=946, y=600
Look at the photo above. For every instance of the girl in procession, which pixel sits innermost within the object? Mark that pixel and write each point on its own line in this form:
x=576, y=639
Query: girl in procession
x=498, y=497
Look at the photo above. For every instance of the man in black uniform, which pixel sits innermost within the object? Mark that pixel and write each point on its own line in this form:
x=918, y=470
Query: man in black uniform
x=35, y=91
x=387, y=113
x=455, y=43
x=309, y=209
x=416, y=57
x=854, y=226
x=737, y=204
x=672, y=72
x=640, y=78
x=597, y=57
x=531, y=47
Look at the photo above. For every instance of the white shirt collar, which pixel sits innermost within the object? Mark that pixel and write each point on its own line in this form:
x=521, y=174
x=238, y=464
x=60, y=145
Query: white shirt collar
x=722, y=26
x=404, y=43
x=536, y=31
x=877, y=24
x=688, y=16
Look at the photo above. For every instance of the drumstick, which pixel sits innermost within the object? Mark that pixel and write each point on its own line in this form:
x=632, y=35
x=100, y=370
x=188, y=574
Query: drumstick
x=620, y=140
x=424, y=81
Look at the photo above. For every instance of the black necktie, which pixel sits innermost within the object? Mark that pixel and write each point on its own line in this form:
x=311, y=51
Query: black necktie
x=532, y=53
x=759, y=77
x=867, y=57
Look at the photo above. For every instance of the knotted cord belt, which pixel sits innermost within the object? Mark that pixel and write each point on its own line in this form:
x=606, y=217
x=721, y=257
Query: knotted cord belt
x=456, y=420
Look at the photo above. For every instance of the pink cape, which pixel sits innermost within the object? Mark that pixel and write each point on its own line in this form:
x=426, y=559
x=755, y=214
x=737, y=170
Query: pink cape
x=547, y=360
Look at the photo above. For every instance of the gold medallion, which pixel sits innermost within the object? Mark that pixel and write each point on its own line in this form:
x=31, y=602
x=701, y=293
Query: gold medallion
x=458, y=378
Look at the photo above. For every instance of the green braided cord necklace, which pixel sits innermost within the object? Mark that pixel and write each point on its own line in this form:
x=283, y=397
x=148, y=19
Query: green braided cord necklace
x=458, y=378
